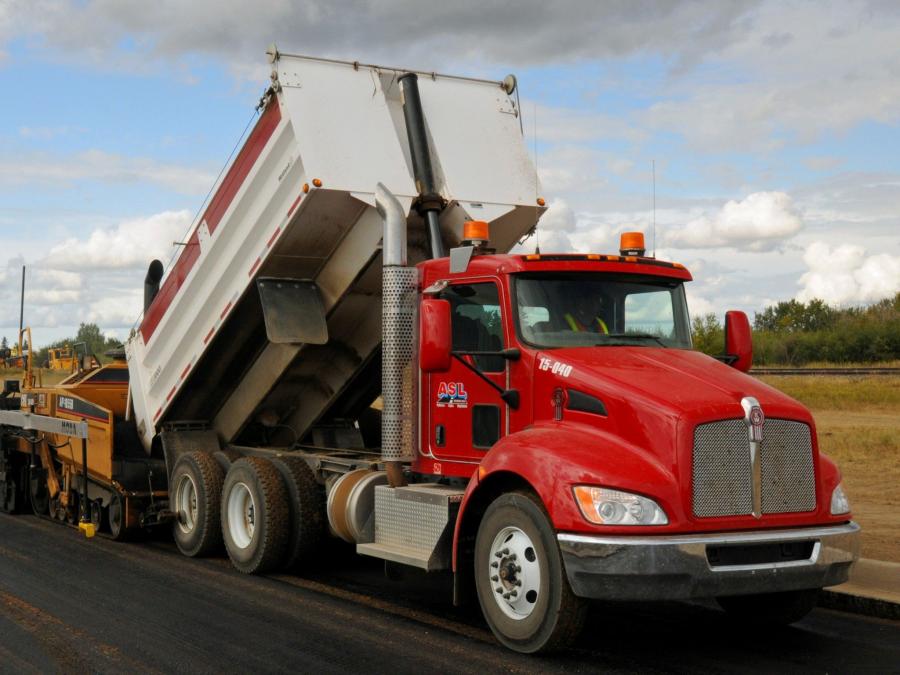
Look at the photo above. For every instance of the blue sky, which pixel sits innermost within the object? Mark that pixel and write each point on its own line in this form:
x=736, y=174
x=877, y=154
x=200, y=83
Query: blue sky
x=774, y=127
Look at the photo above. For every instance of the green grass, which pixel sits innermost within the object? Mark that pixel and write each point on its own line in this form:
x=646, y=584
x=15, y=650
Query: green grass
x=859, y=393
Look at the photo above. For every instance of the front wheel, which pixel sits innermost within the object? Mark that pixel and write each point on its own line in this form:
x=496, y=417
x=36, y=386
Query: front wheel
x=771, y=609
x=520, y=579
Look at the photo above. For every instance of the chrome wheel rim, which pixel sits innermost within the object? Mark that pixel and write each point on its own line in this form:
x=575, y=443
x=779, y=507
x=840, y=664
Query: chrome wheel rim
x=186, y=503
x=241, y=515
x=514, y=573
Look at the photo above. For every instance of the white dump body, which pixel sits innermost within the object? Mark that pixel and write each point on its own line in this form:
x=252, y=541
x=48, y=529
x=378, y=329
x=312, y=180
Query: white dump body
x=297, y=202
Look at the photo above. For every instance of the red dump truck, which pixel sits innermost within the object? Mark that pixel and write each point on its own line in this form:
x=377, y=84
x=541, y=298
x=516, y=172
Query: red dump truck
x=343, y=348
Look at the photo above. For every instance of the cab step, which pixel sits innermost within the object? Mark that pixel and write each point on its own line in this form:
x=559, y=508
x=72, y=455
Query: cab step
x=414, y=525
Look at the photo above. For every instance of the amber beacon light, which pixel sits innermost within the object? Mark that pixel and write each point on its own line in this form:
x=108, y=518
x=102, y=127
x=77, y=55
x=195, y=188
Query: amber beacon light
x=632, y=243
x=476, y=231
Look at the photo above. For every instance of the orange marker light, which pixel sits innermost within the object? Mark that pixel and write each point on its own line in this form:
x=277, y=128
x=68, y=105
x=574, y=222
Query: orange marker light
x=476, y=230
x=317, y=182
x=632, y=243
x=306, y=187
x=540, y=201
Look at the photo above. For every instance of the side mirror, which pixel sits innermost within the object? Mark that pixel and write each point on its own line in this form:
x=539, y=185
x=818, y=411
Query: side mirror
x=435, y=336
x=738, y=340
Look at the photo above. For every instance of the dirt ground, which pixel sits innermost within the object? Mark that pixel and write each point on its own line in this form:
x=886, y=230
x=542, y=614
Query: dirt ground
x=858, y=423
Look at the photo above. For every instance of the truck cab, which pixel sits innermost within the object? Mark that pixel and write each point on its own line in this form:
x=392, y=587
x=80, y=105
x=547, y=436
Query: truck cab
x=565, y=390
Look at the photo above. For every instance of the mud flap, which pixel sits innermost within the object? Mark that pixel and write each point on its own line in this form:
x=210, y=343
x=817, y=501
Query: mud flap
x=293, y=311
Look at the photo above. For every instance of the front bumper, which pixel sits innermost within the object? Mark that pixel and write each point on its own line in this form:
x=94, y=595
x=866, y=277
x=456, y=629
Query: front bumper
x=680, y=567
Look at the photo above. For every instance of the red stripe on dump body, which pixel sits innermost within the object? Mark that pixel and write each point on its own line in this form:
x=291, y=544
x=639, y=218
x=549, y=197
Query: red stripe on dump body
x=229, y=187
x=255, y=265
x=294, y=205
x=272, y=238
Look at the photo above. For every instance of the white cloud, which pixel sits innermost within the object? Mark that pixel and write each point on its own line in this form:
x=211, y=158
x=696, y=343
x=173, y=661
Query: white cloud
x=51, y=296
x=94, y=279
x=847, y=275
x=559, y=217
x=135, y=32
x=760, y=222
x=53, y=277
x=830, y=66
x=117, y=310
x=698, y=305
x=103, y=166
x=131, y=244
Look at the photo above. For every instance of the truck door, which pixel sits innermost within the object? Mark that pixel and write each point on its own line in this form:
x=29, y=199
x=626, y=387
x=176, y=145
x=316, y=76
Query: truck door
x=466, y=414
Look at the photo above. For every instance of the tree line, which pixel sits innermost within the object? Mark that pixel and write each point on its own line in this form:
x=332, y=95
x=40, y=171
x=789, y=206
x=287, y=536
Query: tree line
x=795, y=333
x=88, y=333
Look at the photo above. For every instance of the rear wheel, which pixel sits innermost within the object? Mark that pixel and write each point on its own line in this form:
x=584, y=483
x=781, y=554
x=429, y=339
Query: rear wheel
x=522, y=585
x=306, y=502
x=116, y=517
x=38, y=492
x=97, y=515
x=196, y=494
x=13, y=482
x=771, y=609
x=255, y=515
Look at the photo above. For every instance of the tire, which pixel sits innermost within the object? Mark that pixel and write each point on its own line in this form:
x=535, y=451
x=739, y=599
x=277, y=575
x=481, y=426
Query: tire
x=97, y=516
x=12, y=489
x=38, y=494
x=771, y=609
x=255, y=515
x=72, y=509
x=306, y=503
x=226, y=457
x=543, y=615
x=195, y=495
x=116, y=518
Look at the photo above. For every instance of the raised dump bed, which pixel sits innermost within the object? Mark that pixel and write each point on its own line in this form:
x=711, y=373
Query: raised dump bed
x=272, y=311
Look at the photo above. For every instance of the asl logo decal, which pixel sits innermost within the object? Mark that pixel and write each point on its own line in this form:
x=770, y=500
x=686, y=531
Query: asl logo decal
x=452, y=395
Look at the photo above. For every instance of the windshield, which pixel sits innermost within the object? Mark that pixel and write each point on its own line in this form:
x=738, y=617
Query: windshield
x=593, y=309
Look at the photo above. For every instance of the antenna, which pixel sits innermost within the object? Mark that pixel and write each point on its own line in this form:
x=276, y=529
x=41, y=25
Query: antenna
x=653, y=202
x=22, y=305
x=537, y=238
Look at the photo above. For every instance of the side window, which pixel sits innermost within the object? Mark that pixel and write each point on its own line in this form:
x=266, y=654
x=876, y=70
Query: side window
x=477, y=323
x=650, y=313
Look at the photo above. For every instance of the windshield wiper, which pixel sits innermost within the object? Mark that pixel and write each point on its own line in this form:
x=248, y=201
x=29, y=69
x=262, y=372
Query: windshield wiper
x=638, y=336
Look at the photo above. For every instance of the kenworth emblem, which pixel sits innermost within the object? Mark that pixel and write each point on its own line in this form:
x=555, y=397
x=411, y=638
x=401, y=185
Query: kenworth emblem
x=755, y=419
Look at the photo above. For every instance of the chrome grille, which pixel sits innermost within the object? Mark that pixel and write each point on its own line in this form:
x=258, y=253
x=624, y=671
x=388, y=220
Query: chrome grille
x=721, y=478
x=788, y=478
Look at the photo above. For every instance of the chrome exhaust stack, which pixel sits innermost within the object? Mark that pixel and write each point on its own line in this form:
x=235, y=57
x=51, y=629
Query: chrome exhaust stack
x=398, y=340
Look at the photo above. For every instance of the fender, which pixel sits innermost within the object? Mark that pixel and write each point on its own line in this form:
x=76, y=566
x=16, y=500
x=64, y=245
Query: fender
x=552, y=456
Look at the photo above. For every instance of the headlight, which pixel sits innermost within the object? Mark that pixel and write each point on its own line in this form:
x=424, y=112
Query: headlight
x=604, y=506
x=839, y=502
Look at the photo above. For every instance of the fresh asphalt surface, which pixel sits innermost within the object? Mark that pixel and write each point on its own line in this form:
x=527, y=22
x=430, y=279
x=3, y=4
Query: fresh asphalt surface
x=68, y=604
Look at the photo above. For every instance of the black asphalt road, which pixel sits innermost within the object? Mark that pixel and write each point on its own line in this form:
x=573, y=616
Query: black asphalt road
x=68, y=604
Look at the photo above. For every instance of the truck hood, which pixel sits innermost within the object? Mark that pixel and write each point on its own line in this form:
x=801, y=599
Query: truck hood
x=653, y=397
x=681, y=382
